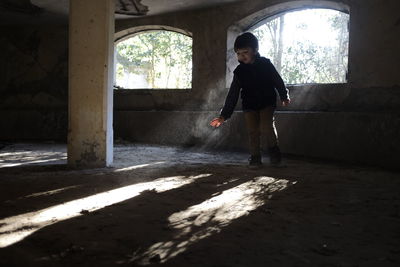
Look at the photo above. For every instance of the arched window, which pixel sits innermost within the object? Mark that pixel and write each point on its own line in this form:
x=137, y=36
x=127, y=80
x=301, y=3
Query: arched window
x=154, y=59
x=306, y=46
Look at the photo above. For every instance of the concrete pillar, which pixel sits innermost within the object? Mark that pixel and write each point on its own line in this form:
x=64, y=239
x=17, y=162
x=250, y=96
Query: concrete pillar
x=91, y=49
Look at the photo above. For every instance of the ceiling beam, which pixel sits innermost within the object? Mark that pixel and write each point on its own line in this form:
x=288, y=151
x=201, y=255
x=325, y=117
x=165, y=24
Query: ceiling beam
x=131, y=7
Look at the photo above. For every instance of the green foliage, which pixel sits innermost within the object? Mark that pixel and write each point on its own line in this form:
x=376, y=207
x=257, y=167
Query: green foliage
x=301, y=60
x=162, y=58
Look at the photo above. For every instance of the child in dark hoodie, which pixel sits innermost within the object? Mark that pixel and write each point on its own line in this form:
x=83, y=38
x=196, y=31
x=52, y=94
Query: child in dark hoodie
x=257, y=81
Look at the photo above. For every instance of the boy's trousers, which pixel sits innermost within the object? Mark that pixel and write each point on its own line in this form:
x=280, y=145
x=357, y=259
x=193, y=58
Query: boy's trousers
x=261, y=124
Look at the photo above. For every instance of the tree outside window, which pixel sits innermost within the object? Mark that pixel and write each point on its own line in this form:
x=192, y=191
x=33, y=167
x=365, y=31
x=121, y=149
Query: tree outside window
x=306, y=46
x=156, y=59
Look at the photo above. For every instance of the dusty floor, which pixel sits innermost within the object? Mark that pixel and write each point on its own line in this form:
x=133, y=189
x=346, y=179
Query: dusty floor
x=172, y=207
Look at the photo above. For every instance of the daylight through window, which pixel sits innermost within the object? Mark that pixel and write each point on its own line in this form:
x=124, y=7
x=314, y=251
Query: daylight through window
x=306, y=46
x=156, y=59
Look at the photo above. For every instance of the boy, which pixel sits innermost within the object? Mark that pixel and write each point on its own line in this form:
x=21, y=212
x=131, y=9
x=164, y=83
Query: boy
x=257, y=80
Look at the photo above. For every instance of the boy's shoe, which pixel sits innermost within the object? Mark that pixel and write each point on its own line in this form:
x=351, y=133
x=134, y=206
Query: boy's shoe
x=255, y=162
x=275, y=156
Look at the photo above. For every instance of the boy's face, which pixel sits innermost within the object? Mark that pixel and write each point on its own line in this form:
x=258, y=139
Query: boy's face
x=246, y=55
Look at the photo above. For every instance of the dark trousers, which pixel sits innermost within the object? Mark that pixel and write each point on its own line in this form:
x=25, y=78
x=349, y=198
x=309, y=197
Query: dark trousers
x=261, y=129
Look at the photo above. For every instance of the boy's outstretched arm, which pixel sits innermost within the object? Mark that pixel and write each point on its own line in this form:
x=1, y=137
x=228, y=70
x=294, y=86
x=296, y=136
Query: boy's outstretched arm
x=279, y=85
x=230, y=103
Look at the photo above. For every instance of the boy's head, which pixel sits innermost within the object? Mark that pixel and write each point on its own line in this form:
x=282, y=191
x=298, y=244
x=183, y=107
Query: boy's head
x=246, y=47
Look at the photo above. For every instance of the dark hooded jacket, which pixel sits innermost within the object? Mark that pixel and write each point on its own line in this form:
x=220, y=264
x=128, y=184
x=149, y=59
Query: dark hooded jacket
x=258, y=84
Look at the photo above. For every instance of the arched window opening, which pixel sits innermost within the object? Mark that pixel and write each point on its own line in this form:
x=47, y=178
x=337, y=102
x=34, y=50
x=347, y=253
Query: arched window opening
x=154, y=59
x=306, y=46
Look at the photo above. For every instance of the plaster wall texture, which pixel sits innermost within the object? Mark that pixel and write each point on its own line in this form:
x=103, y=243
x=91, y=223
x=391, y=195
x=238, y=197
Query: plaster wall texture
x=361, y=117
x=34, y=82
x=358, y=137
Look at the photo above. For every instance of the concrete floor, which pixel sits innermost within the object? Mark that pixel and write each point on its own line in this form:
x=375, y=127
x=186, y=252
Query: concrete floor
x=173, y=207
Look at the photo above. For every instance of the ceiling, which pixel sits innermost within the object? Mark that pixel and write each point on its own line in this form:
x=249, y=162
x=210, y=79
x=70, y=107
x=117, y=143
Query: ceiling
x=163, y=6
x=16, y=10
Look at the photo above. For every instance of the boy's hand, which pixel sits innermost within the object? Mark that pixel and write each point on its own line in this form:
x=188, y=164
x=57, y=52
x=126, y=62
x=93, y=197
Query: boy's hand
x=217, y=122
x=285, y=102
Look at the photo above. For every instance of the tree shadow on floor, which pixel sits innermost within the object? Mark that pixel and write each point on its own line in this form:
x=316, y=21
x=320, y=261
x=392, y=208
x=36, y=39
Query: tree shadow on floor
x=234, y=217
x=29, y=188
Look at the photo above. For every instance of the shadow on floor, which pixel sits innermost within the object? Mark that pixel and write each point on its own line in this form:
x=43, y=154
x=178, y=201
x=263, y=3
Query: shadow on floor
x=307, y=214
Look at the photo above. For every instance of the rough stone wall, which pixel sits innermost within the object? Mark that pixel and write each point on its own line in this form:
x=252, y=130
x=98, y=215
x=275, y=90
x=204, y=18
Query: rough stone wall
x=34, y=82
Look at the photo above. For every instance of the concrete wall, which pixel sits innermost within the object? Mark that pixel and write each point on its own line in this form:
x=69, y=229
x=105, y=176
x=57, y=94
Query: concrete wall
x=358, y=121
x=34, y=82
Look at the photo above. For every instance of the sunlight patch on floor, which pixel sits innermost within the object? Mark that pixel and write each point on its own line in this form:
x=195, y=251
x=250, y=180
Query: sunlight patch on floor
x=16, y=228
x=19, y=158
x=50, y=192
x=28, y=161
x=134, y=167
x=210, y=217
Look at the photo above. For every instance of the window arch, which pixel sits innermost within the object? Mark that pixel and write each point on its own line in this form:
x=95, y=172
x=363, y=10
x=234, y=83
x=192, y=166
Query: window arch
x=151, y=58
x=306, y=46
x=307, y=41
